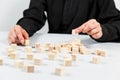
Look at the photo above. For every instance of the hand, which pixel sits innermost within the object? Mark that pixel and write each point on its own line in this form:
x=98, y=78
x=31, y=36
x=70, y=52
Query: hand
x=17, y=35
x=92, y=28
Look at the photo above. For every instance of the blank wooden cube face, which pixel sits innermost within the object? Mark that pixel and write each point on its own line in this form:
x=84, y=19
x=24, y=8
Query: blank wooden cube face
x=69, y=48
x=37, y=45
x=9, y=50
x=47, y=46
x=52, y=56
x=13, y=55
x=75, y=50
x=67, y=62
x=30, y=56
x=28, y=49
x=14, y=46
x=101, y=52
x=96, y=60
x=84, y=50
x=27, y=42
x=59, y=71
x=19, y=63
x=54, y=52
x=37, y=61
x=74, y=57
x=30, y=68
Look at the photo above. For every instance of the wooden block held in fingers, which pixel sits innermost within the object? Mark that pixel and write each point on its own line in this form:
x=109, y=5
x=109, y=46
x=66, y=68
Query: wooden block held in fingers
x=1, y=61
x=27, y=42
x=74, y=32
x=96, y=60
x=30, y=68
x=59, y=71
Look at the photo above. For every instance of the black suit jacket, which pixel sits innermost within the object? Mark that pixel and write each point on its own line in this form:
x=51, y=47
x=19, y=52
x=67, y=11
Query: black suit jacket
x=65, y=15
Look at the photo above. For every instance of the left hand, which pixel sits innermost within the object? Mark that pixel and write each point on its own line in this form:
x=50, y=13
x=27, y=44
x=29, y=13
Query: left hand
x=92, y=28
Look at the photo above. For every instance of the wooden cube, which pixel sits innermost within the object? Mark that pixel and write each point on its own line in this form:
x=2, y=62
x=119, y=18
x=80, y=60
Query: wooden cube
x=37, y=61
x=13, y=55
x=59, y=71
x=9, y=50
x=74, y=57
x=19, y=63
x=101, y=52
x=96, y=60
x=30, y=68
x=69, y=48
x=75, y=50
x=27, y=42
x=47, y=46
x=37, y=45
x=84, y=50
x=28, y=49
x=1, y=61
x=74, y=32
x=54, y=52
x=57, y=48
x=30, y=56
x=52, y=56
x=14, y=46
x=68, y=62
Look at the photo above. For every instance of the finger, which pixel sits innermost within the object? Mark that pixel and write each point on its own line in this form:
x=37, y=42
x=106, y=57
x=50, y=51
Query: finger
x=97, y=35
x=89, y=27
x=92, y=21
x=11, y=37
x=18, y=42
x=11, y=40
x=93, y=31
x=80, y=29
x=13, y=33
x=19, y=35
x=25, y=34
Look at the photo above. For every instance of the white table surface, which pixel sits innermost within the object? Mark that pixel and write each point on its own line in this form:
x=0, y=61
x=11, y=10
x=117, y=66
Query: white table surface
x=108, y=69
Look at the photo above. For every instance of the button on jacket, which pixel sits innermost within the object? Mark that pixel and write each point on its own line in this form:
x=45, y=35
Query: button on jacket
x=65, y=15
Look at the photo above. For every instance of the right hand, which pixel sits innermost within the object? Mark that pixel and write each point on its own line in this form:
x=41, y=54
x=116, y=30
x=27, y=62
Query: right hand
x=17, y=35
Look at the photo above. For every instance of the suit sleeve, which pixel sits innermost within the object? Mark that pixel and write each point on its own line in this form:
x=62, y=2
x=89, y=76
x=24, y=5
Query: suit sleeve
x=34, y=17
x=109, y=18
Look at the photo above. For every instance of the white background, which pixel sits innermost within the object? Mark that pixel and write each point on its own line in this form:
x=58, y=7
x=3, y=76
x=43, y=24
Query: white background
x=12, y=10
